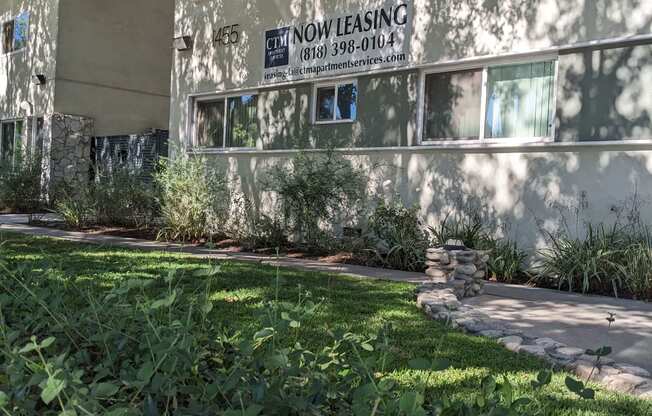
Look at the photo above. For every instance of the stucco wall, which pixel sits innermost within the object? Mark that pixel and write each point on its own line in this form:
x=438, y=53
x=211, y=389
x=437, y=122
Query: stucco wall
x=16, y=69
x=443, y=31
x=519, y=192
x=114, y=63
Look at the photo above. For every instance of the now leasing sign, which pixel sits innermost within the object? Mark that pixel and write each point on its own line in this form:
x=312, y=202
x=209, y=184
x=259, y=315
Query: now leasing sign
x=371, y=39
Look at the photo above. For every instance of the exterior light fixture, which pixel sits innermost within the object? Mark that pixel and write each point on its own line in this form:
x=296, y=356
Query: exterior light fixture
x=182, y=43
x=39, y=79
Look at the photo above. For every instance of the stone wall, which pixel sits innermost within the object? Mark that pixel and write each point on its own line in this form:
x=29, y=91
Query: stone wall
x=67, y=152
x=459, y=268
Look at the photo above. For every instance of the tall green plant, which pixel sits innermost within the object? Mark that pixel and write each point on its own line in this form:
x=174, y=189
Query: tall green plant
x=399, y=236
x=471, y=230
x=194, y=199
x=315, y=189
x=20, y=185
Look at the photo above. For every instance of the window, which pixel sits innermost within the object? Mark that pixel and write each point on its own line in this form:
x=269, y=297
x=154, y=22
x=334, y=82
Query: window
x=453, y=105
x=519, y=103
x=230, y=122
x=336, y=103
x=15, y=33
x=11, y=140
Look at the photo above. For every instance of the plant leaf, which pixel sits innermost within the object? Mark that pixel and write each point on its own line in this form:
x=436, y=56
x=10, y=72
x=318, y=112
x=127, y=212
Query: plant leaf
x=52, y=389
x=106, y=389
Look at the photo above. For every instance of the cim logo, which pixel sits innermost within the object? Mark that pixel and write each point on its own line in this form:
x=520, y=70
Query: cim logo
x=277, y=47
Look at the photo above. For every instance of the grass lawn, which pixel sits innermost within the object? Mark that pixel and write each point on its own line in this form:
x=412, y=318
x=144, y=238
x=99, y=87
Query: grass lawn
x=359, y=306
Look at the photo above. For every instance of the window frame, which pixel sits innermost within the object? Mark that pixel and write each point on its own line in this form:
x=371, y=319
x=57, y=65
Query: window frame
x=13, y=38
x=337, y=83
x=224, y=98
x=484, y=68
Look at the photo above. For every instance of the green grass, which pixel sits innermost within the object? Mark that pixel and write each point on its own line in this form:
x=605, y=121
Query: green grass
x=356, y=305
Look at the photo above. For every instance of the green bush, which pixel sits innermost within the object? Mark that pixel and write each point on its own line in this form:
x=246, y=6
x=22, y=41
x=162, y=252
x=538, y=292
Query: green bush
x=20, y=186
x=76, y=209
x=316, y=190
x=604, y=261
x=118, y=198
x=150, y=347
x=507, y=262
x=194, y=199
x=399, y=236
x=255, y=230
x=471, y=230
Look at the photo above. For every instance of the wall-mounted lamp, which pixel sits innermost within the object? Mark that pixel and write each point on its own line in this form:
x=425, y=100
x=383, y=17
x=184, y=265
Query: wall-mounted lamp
x=39, y=79
x=182, y=43
x=28, y=107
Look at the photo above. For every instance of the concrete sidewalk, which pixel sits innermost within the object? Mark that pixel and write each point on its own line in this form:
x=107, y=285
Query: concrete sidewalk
x=576, y=320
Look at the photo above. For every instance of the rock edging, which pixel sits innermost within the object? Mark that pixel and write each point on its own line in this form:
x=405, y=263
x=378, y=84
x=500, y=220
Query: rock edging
x=441, y=303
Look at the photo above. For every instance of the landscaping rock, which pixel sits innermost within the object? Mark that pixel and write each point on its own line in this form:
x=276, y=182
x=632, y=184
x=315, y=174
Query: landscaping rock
x=637, y=371
x=625, y=383
x=548, y=343
x=568, y=353
x=594, y=359
x=442, y=303
x=537, y=350
x=512, y=343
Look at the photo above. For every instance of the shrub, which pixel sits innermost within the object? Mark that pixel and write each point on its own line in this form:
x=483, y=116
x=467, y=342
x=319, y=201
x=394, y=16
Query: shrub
x=506, y=262
x=77, y=210
x=123, y=198
x=471, y=230
x=636, y=270
x=592, y=264
x=315, y=190
x=255, y=230
x=399, y=236
x=194, y=199
x=20, y=186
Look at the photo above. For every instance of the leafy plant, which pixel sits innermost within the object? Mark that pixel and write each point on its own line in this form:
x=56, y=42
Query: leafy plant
x=151, y=347
x=121, y=197
x=77, y=210
x=398, y=235
x=20, y=185
x=471, y=230
x=507, y=262
x=193, y=198
x=314, y=191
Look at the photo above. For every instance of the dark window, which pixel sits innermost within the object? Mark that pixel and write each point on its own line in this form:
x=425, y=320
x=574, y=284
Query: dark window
x=15, y=33
x=336, y=103
x=242, y=121
x=453, y=105
x=210, y=124
x=230, y=122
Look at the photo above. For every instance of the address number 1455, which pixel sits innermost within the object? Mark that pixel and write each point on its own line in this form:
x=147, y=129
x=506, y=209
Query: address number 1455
x=227, y=35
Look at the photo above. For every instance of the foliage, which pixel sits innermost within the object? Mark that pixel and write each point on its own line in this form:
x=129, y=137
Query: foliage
x=194, y=199
x=76, y=209
x=507, y=262
x=605, y=261
x=470, y=229
x=133, y=332
x=399, y=236
x=253, y=229
x=116, y=198
x=122, y=198
x=315, y=190
x=20, y=185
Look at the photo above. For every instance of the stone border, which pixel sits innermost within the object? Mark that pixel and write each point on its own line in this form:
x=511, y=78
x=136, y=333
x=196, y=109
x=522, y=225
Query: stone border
x=441, y=303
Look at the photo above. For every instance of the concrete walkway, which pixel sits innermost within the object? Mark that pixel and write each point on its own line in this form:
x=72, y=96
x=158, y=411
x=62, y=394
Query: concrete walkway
x=576, y=320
